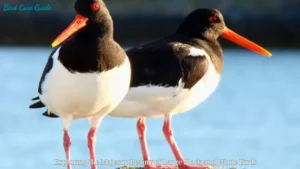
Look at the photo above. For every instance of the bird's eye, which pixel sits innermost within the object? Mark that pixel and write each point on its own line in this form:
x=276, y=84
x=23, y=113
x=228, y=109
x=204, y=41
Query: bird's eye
x=95, y=6
x=213, y=19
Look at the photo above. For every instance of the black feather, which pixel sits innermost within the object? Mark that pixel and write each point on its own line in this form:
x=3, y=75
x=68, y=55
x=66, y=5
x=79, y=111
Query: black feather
x=51, y=115
x=36, y=98
x=37, y=105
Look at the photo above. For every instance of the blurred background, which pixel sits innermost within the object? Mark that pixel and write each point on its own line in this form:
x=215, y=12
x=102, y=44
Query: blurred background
x=270, y=22
x=253, y=114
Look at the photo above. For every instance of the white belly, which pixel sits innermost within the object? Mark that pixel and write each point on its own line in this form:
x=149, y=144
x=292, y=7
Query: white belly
x=157, y=101
x=82, y=95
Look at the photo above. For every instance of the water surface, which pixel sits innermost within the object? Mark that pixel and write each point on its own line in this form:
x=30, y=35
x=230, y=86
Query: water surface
x=254, y=115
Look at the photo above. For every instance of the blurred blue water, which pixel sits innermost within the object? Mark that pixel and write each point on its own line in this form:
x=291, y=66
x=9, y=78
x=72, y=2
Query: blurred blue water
x=254, y=115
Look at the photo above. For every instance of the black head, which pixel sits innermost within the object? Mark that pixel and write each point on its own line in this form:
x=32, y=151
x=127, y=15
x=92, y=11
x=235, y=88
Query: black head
x=92, y=14
x=91, y=9
x=203, y=23
x=208, y=24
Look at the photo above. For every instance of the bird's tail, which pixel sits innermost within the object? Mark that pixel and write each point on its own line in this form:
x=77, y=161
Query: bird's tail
x=38, y=105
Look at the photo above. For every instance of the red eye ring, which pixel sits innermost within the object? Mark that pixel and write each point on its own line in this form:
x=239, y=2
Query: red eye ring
x=95, y=6
x=213, y=19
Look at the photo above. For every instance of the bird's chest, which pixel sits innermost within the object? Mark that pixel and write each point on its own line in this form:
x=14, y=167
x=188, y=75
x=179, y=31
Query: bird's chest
x=190, y=98
x=84, y=93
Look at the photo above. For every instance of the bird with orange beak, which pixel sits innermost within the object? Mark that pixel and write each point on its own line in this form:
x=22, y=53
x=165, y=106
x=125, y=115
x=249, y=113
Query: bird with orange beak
x=87, y=74
x=175, y=74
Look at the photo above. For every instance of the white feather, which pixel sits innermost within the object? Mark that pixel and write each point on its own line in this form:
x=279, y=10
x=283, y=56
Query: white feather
x=197, y=52
x=84, y=95
x=158, y=101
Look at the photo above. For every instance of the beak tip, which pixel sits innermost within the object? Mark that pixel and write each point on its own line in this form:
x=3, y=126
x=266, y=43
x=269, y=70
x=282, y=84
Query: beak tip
x=53, y=45
x=268, y=54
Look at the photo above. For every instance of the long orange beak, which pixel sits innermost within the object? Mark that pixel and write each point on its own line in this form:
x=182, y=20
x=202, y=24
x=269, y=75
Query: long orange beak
x=236, y=38
x=78, y=23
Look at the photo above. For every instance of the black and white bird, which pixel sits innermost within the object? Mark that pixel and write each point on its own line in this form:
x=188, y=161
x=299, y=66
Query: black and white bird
x=176, y=73
x=87, y=75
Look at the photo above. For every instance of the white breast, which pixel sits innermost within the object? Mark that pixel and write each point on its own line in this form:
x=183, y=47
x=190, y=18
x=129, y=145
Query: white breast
x=82, y=95
x=157, y=101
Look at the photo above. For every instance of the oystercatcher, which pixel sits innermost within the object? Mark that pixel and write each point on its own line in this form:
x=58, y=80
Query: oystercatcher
x=176, y=73
x=87, y=74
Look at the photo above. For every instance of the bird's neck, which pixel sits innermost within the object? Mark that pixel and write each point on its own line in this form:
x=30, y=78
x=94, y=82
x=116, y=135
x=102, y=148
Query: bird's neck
x=213, y=49
x=217, y=55
x=101, y=29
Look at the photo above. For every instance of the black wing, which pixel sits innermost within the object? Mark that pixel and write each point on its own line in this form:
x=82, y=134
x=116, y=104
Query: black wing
x=154, y=64
x=47, y=69
x=164, y=63
x=40, y=104
x=194, y=68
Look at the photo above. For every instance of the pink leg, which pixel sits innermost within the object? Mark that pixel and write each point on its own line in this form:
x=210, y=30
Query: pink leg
x=141, y=129
x=167, y=129
x=91, y=146
x=67, y=144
